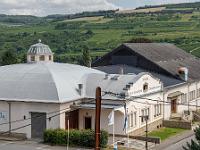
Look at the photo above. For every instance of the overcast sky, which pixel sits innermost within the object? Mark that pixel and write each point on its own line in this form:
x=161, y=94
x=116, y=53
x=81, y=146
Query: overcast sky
x=46, y=7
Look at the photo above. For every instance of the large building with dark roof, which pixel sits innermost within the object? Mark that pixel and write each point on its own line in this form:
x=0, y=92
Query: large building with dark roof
x=178, y=70
x=162, y=58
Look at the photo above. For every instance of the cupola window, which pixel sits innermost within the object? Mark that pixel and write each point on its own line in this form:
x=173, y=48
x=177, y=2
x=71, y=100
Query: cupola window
x=42, y=58
x=50, y=58
x=32, y=58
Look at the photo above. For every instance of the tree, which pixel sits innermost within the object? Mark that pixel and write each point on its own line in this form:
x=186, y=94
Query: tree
x=140, y=40
x=194, y=145
x=86, y=57
x=8, y=57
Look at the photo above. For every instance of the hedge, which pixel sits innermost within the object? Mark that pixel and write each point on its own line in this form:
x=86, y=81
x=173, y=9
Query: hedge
x=80, y=138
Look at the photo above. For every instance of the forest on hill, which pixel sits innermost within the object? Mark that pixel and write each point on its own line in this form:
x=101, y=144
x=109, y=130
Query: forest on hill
x=101, y=31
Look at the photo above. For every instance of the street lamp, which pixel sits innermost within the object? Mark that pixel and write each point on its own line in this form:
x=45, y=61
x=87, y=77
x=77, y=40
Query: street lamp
x=146, y=117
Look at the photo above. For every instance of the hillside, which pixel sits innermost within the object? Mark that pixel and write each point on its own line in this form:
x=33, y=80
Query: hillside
x=101, y=31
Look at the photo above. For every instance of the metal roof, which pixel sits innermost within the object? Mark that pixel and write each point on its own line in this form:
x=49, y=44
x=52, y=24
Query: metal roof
x=114, y=69
x=114, y=83
x=44, y=82
x=39, y=49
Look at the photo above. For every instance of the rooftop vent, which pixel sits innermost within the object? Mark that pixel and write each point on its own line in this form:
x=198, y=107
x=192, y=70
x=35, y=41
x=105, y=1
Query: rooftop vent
x=106, y=76
x=121, y=70
x=116, y=77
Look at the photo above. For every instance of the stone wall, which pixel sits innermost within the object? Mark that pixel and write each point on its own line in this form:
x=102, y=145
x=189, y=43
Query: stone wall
x=177, y=124
x=152, y=126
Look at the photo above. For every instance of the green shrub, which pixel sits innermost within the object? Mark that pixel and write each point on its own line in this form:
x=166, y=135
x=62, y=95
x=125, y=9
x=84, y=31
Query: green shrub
x=82, y=138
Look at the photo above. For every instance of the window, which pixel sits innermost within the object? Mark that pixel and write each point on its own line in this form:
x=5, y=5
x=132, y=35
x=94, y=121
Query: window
x=157, y=110
x=42, y=58
x=145, y=87
x=50, y=57
x=135, y=118
x=184, y=98
x=192, y=95
x=32, y=58
x=132, y=120
x=145, y=112
x=198, y=93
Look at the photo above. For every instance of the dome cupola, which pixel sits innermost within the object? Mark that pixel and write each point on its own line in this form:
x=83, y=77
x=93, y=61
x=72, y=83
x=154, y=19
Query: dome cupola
x=39, y=52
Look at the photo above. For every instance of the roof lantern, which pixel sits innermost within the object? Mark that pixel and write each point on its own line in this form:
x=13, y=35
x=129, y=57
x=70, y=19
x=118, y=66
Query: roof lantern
x=39, y=52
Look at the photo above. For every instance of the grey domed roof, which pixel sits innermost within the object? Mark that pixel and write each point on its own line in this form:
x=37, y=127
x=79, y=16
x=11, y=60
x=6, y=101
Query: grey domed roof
x=39, y=49
x=43, y=82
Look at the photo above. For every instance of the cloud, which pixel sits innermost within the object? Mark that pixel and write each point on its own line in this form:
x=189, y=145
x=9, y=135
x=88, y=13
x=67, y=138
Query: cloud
x=45, y=7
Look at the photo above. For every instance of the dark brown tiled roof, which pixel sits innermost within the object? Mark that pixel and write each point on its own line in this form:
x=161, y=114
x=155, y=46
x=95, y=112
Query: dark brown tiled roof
x=168, y=57
x=164, y=55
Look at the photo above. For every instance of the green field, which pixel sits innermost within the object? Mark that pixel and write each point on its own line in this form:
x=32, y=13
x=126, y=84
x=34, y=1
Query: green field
x=100, y=34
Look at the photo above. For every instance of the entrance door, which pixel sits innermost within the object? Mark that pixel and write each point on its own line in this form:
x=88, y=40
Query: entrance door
x=88, y=123
x=73, y=117
x=173, y=106
x=38, y=124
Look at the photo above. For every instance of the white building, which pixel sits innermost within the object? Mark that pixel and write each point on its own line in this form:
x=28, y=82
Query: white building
x=42, y=94
x=178, y=70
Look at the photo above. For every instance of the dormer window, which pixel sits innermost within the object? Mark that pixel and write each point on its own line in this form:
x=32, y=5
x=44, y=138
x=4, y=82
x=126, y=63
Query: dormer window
x=145, y=87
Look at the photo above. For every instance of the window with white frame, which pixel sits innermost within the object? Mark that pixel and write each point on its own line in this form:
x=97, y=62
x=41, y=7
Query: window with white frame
x=157, y=110
x=198, y=93
x=144, y=112
x=192, y=95
x=184, y=98
x=132, y=122
x=135, y=118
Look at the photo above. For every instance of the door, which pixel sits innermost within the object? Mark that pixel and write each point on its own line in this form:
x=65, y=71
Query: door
x=73, y=118
x=173, y=106
x=88, y=123
x=38, y=124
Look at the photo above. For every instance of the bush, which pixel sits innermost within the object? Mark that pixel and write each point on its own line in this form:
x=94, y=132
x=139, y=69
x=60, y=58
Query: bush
x=82, y=138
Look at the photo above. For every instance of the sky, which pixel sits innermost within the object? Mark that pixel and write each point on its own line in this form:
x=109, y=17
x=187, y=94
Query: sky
x=47, y=7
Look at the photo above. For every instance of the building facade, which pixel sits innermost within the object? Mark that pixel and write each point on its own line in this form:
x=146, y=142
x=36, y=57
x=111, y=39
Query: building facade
x=154, y=80
x=178, y=70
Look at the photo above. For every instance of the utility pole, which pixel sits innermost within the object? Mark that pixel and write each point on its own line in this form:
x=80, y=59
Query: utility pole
x=97, y=118
x=9, y=107
x=146, y=120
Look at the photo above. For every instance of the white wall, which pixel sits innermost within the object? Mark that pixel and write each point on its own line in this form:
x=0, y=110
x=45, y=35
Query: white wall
x=186, y=88
x=21, y=109
x=119, y=115
x=119, y=120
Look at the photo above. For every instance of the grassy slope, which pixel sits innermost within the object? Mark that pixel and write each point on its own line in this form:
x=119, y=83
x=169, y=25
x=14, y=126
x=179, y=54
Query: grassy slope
x=165, y=133
x=180, y=29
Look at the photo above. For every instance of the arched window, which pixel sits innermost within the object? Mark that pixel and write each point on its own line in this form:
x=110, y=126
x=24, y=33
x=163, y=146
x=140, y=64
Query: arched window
x=145, y=87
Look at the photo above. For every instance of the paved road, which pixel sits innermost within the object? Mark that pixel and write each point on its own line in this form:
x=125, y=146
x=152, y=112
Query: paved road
x=180, y=144
x=30, y=145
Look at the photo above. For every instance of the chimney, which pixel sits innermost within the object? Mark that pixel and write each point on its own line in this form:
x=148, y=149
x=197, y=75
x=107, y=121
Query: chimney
x=183, y=73
x=121, y=71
